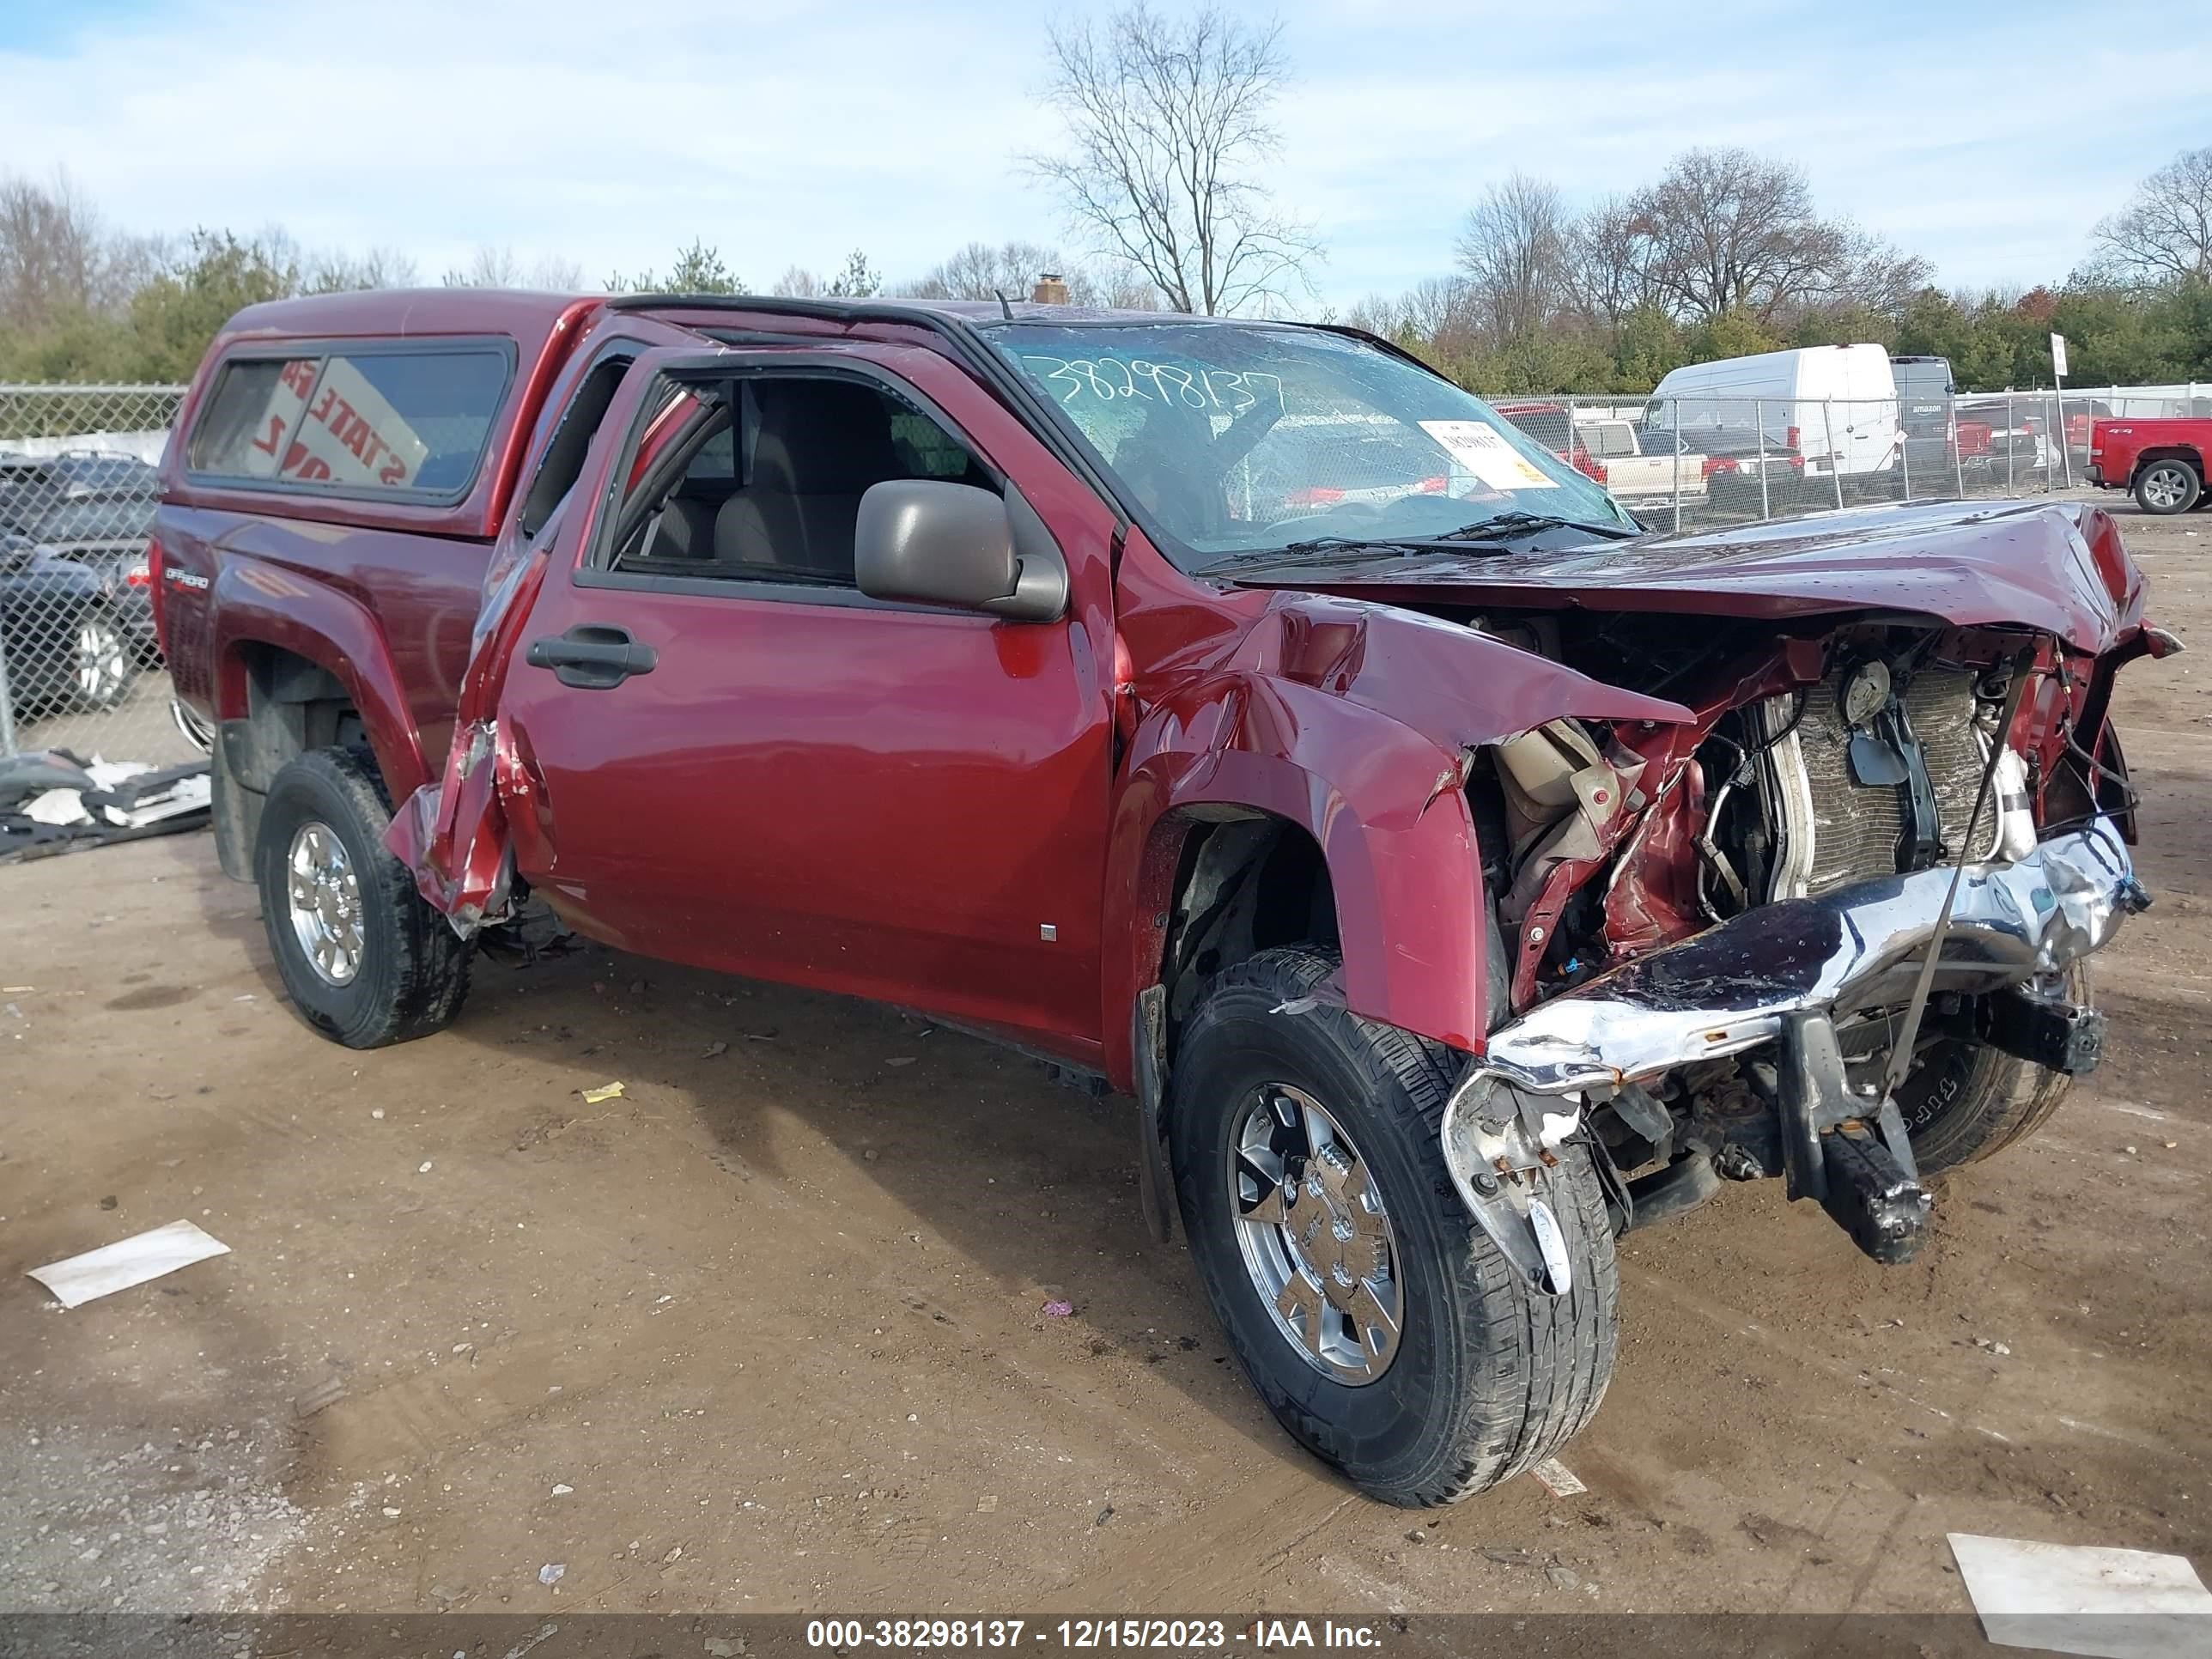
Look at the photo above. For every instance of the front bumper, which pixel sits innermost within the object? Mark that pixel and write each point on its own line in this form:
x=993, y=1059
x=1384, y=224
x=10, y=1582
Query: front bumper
x=1731, y=987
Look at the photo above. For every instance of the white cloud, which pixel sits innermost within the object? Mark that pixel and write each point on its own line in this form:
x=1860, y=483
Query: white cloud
x=786, y=133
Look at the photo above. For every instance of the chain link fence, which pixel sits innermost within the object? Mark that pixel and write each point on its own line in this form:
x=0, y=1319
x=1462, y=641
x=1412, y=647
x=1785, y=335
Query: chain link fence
x=1704, y=462
x=80, y=668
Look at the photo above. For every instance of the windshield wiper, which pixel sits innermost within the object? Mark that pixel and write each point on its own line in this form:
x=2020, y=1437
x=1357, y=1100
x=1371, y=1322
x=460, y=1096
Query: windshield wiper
x=1332, y=549
x=1517, y=523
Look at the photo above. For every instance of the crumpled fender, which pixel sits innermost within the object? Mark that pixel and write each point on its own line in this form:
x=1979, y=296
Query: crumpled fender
x=255, y=603
x=1353, y=721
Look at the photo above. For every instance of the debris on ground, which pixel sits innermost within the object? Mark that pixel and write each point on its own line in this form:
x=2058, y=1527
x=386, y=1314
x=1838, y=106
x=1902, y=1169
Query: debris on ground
x=1058, y=1310
x=552, y=1572
x=606, y=1092
x=55, y=800
x=1556, y=1478
x=128, y=1262
x=2068, y=1598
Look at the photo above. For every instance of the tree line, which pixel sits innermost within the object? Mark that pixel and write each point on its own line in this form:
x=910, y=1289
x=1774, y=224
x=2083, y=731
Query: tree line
x=1168, y=137
x=1725, y=254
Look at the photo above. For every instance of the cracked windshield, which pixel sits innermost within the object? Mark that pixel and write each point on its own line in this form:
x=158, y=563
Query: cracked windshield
x=1245, y=440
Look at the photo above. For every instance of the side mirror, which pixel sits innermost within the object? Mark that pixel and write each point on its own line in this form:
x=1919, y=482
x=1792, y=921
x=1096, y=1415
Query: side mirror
x=925, y=541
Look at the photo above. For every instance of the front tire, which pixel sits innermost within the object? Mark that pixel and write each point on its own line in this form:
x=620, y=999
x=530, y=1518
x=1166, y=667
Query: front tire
x=365, y=961
x=2167, y=487
x=1965, y=1101
x=1438, y=1371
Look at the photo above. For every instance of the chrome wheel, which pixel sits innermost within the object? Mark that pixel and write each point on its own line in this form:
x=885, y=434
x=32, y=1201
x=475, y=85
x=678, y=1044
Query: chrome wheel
x=103, y=664
x=1314, y=1235
x=325, y=903
x=2165, y=487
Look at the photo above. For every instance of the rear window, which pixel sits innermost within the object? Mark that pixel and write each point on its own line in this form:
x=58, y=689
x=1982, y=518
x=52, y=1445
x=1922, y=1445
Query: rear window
x=374, y=422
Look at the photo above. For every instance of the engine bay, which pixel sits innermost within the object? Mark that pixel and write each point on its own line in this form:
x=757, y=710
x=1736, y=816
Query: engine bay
x=1822, y=764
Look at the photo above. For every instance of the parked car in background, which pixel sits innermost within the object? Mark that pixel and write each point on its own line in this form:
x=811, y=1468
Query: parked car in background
x=64, y=642
x=2162, y=462
x=97, y=509
x=1653, y=469
x=2080, y=423
x=1834, y=408
x=1925, y=394
x=1313, y=464
x=2002, y=437
x=1638, y=467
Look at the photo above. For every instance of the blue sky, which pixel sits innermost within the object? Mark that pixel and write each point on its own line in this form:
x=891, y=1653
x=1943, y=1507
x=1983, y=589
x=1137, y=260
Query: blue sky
x=1987, y=137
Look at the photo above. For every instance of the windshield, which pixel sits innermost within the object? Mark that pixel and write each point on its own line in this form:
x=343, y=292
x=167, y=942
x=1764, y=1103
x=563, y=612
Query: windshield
x=1240, y=438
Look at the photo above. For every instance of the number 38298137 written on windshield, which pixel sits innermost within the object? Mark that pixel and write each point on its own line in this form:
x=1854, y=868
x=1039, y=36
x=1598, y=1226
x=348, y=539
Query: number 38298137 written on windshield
x=1229, y=392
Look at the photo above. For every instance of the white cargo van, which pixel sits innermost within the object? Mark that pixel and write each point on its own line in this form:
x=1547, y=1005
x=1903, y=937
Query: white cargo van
x=1836, y=406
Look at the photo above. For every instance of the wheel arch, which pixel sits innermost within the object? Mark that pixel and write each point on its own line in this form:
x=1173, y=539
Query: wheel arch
x=1364, y=831
x=2193, y=457
x=313, y=674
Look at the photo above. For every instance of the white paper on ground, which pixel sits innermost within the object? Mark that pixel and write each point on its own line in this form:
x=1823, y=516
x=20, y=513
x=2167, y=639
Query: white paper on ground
x=128, y=1262
x=1558, y=1479
x=2065, y=1598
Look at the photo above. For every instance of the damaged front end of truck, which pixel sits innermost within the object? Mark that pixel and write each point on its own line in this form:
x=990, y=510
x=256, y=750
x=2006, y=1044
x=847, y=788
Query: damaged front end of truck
x=1830, y=927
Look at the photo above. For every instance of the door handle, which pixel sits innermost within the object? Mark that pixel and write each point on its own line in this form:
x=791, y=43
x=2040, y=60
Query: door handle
x=592, y=656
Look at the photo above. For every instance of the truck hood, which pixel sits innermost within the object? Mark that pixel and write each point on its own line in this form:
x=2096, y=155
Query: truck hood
x=2055, y=567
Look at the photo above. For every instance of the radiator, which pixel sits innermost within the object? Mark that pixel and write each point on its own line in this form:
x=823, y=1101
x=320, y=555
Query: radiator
x=1856, y=829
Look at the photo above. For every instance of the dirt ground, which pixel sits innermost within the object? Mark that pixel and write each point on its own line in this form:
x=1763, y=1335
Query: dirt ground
x=767, y=1332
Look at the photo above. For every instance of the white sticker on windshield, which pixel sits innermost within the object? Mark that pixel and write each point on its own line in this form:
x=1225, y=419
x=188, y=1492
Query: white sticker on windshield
x=1483, y=451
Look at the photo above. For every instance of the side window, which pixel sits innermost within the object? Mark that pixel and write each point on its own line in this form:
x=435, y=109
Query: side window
x=375, y=422
x=770, y=487
x=246, y=428
x=402, y=420
x=572, y=439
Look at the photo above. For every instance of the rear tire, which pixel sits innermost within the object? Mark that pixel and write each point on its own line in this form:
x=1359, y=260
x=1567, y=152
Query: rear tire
x=2167, y=487
x=383, y=966
x=1967, y=1101
x=1487, y=1375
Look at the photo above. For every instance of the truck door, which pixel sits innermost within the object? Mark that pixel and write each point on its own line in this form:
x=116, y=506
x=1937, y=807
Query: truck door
x=734, y=758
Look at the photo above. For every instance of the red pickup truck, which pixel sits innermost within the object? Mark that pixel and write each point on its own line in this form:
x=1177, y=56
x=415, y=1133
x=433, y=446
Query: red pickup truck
x=1456, y=876
x=2160, y=460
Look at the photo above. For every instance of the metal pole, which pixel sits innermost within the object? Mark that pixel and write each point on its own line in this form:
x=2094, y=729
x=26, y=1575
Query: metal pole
x=7, y=706
x=1677, y=438
x=1835, y=463
x=1904, y=454
x=2011, y=450
x=2058, y=402
x=1759, y=419
x=1958, y=460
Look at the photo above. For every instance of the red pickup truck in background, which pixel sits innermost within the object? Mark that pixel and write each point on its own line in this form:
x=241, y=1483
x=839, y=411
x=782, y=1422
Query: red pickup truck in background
x=2161, y=461
x=1457, y=875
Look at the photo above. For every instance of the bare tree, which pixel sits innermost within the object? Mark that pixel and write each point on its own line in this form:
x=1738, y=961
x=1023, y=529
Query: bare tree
x=981, y=271
x=337, y=272
x=1732, y=231
x=57, y=257
x=1167, y=120
x=500, y=267
x=797, y=282
x=2164, y=233
x=1607, y=267
x=1513, y=249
